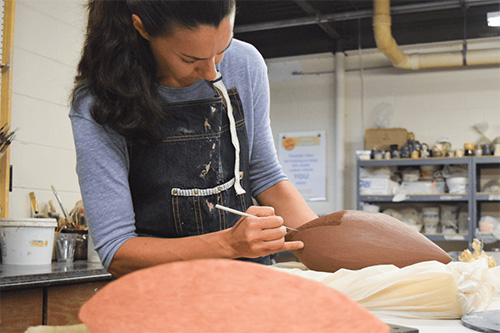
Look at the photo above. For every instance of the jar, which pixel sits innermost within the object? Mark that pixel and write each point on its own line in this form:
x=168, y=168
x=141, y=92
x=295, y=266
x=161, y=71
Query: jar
x=478, y=151
x=437, y=150
x=378, y=154
x=424, y=151
x=394, y=151
x=496, y=150
x=405, y=152
x=468, y=149
x=486, y=149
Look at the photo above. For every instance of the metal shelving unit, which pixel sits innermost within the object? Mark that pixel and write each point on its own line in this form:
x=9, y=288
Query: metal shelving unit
x=474, y=198
x=415, y=198
x=479, y=198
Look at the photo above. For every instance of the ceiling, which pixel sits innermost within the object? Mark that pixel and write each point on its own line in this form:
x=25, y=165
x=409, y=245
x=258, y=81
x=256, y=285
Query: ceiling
x=281, y=28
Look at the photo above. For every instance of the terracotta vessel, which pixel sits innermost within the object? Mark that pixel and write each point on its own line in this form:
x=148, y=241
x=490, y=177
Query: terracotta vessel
x=355, y=239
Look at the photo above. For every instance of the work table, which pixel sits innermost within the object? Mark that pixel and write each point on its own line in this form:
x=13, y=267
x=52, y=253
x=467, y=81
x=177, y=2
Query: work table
x=58, y=273
x=32, y=295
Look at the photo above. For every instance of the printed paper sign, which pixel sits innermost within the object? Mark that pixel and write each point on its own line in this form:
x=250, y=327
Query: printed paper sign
x=302, y=155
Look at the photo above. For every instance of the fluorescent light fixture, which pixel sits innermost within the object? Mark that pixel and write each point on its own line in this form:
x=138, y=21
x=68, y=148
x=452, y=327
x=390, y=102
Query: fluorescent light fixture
x=493, y=19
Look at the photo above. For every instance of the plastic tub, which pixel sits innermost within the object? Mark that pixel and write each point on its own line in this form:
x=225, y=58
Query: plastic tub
x=363, y=155
x=27, y=241
x=457, y=184
x=430, y=215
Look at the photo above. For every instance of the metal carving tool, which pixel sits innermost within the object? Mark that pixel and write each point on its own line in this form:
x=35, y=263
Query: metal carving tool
x=237, y=212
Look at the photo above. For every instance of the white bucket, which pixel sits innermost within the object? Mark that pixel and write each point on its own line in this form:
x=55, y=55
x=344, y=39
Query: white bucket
x=27, y=241
x=457, y=184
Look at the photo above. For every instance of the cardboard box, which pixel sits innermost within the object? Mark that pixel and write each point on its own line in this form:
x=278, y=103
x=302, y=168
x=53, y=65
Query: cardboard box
x=383, y=138
x=422, y=187
x=377, y=186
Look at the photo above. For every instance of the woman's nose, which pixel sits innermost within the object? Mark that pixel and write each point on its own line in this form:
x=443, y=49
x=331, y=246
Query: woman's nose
x=207, y=69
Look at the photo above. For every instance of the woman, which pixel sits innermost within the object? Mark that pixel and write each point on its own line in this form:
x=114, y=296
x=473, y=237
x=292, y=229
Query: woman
x=160, y=141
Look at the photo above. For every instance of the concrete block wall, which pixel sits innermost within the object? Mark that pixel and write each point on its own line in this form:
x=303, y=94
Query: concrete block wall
x=47, y=44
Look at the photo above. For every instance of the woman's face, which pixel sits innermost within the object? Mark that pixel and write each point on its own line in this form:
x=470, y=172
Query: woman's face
x=187, y=56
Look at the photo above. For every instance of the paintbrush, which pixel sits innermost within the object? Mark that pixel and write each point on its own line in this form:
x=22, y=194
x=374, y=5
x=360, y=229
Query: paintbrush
x=34, y=204
x=6, y=138
x=60, y=202
x=237, y=212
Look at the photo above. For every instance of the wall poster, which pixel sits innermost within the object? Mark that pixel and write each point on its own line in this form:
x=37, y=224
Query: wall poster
x=303, y=157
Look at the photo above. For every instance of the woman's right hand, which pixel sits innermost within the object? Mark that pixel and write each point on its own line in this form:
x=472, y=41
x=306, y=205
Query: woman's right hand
x=253, y=237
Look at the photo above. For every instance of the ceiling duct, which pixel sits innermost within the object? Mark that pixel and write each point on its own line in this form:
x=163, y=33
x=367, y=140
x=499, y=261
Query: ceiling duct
x=388, y=46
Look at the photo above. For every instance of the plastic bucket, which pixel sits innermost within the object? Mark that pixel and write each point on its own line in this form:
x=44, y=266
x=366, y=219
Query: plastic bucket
x=457, y=184
x=430, y=215
x=27, y=241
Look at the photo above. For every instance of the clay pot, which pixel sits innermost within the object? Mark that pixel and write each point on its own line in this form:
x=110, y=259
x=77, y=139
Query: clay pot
x=356, y=239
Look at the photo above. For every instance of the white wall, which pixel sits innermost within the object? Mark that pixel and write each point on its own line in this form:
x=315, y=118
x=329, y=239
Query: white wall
x=47, y=43
x=430, y=103
x=305, y=103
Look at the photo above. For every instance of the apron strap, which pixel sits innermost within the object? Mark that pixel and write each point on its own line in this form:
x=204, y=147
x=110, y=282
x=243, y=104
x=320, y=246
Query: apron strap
x=219, y=86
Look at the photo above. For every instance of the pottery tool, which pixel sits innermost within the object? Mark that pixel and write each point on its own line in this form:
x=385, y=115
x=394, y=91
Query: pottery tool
x=34, y=204
x=60, y=202
x=52, y=209
x=237, y=212
x=6, y=138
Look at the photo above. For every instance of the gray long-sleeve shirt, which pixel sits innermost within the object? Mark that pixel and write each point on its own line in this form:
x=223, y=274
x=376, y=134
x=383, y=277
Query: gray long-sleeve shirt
x=103, y=161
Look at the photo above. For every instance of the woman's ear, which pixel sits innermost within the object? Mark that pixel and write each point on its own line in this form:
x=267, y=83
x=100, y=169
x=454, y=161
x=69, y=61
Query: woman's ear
x=139, y=27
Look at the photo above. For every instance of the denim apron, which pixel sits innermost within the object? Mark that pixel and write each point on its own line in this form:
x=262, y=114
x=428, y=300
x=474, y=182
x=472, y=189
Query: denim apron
x=202, y=160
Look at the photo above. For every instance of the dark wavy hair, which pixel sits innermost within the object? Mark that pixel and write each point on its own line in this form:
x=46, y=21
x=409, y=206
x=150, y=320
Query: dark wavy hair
x=117, y=66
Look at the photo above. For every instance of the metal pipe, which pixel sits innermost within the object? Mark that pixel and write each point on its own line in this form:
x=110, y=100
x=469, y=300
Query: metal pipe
x=360, y=14
x=339, y=116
